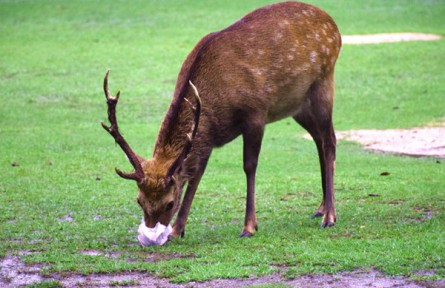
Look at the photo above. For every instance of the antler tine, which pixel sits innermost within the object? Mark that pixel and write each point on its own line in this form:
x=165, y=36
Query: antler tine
x=197, y=108
x=113, y=129
x=107, y=92
x=190, y=136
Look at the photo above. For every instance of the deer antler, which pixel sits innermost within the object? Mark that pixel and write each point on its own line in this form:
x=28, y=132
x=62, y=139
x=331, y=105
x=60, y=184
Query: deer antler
x=113, y=129
x=190, y=136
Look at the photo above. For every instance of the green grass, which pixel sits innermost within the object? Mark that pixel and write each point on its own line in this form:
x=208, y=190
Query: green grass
x=46, y=284
x=64, y=199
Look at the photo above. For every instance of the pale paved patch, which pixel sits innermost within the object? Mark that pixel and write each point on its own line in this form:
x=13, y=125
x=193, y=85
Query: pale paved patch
x=429, y=141
x=388, y=37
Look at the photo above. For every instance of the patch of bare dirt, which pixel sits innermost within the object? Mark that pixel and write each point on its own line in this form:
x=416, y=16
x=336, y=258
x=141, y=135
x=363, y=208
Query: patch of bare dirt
x=14, y=273
x=427, y=141
x=388, y=37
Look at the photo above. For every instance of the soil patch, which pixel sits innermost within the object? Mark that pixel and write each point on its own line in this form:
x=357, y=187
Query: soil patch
x=14, y=273
x=428, y=141
x=388, y=37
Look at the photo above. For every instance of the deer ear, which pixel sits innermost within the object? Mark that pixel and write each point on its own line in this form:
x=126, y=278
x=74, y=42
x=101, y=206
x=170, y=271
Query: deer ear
x=189, y=167
x=169, y=181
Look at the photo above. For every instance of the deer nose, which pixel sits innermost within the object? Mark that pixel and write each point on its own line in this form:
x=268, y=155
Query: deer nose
x=149, y=220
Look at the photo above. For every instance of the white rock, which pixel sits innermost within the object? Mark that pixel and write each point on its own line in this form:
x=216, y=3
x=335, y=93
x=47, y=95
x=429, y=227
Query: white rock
x=157, y=235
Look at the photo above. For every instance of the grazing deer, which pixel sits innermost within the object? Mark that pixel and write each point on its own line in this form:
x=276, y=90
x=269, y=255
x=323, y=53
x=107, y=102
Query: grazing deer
x=276, y=62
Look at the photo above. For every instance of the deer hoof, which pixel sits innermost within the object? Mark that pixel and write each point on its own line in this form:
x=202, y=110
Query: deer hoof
x=329, y=224
x=171, y=238
x=249, y=230
x=328, y=221
x=245, y=234
x=176, y=234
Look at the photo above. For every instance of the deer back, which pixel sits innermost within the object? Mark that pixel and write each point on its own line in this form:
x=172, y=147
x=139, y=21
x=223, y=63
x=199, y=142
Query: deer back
x=263, y=64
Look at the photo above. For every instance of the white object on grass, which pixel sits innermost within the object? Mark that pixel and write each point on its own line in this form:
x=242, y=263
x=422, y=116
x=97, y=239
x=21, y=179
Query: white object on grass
x=157, y=235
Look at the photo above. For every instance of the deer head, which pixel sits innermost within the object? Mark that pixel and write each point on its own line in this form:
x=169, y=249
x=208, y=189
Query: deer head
x=159, y=180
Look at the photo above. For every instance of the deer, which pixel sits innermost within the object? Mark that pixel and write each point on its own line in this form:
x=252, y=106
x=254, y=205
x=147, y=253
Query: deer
x=276, y=62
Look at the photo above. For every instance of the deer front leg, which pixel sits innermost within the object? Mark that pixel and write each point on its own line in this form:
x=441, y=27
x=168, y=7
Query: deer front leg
x=252, y=137
x=181, y=219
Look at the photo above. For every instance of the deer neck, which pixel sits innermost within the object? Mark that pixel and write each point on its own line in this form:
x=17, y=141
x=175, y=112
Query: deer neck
x=173, y=133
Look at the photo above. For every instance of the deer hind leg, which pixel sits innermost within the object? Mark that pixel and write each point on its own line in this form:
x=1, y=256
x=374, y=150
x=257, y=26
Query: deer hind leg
x=316, y=118
x=252, y=138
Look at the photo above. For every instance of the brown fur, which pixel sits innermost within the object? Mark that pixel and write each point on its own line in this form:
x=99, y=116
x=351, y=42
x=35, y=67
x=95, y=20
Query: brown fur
x=276, y=62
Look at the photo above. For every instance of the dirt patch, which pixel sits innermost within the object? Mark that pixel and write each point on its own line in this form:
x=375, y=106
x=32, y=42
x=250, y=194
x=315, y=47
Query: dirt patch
x=428, y=141
x=388, y=37
x=14, y=273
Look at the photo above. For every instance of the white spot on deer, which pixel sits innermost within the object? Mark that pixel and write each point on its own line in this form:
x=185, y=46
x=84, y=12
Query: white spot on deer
x=337, y=48
x=269, y=89
x=284, y=82
x=261, y=52
x=335, y=35
x=330, y=40
x=306, y=13
x=250, y=52
x=256, y=71
x=283, y=23
x=277, y=64
x=328, y=51
x=313, y=57
x=278, y=36
x=317, y=37
x=290, y=57
x=302, y=68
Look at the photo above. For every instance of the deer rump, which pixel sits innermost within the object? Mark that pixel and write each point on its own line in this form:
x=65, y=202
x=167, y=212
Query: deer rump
x=276, y=62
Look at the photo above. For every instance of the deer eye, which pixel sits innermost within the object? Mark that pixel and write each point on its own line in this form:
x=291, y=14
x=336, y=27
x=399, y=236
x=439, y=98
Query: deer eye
x=169, y=206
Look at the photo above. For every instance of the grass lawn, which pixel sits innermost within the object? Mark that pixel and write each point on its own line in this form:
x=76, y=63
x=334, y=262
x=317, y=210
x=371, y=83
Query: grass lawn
x=60, y=198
